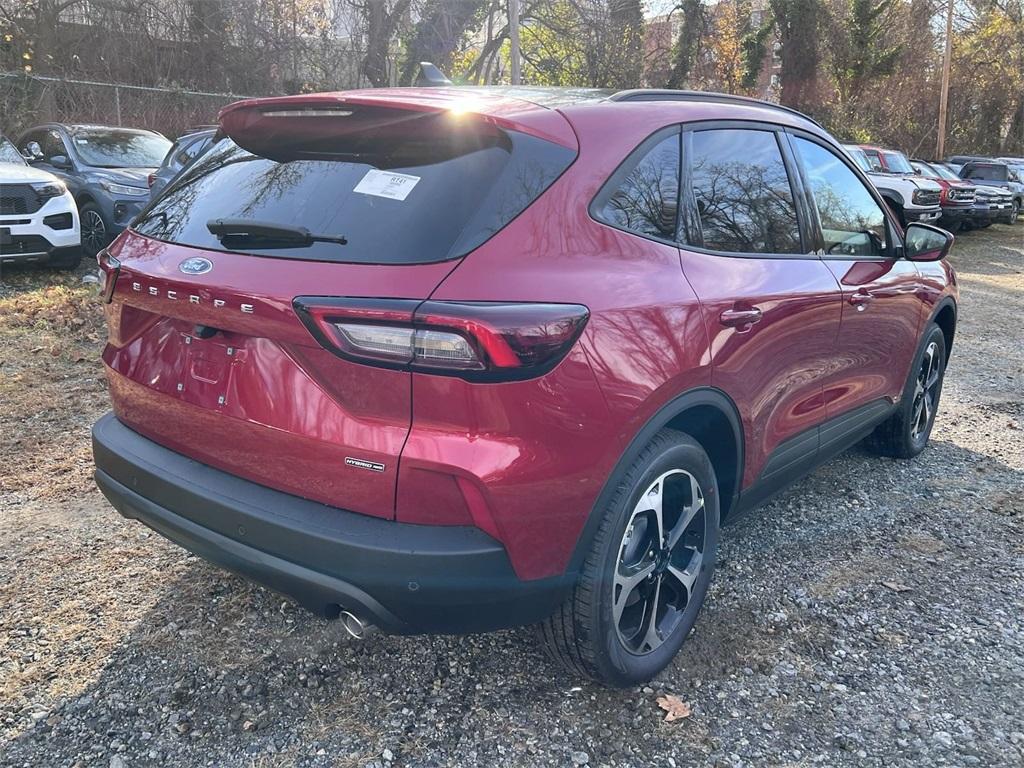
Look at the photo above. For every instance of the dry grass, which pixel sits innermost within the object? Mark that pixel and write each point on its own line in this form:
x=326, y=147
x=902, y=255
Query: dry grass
x=51, y=381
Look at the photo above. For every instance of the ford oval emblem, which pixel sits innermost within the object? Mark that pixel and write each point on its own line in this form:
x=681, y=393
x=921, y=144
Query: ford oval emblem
x=196, y=266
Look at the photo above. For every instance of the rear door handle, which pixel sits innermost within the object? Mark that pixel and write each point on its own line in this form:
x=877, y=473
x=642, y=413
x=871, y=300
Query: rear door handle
x=740, y=317
x=861, y=299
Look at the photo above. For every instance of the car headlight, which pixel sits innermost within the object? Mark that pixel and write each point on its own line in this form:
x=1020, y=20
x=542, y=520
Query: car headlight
x=121, y=189
x=48, y=189
x=920, y=196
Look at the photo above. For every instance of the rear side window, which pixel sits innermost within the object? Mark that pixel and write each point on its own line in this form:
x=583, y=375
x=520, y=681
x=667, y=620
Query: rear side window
x=742, y=193
x=406, y=196
x=643, y=196
x=852, y=223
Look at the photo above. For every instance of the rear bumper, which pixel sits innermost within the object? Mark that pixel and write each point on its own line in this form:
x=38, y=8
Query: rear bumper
x=403, y=578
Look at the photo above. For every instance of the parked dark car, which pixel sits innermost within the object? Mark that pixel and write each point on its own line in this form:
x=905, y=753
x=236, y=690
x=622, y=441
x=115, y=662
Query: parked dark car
x=957, y=198
x=993, y=173
x=105, y=168
x=450, y=360
x=183, y=153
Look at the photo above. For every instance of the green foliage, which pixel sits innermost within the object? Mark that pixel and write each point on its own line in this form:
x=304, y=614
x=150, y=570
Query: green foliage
x=689, y=42
x=755, y=48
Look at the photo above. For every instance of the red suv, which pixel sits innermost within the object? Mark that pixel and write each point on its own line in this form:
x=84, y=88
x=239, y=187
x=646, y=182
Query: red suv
x=449, y=360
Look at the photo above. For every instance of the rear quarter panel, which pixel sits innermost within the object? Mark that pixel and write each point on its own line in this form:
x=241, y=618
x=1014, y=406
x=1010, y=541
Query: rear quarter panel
x=541, y=451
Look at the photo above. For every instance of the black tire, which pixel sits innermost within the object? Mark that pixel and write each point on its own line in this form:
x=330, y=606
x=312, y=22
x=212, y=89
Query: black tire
x=95, y=229
x=900, y=215
x=583, y=634
x=68, y=260
x=903, y=435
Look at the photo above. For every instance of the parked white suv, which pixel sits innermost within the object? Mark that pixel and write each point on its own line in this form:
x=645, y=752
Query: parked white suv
x=911, y=198
x=38, y=216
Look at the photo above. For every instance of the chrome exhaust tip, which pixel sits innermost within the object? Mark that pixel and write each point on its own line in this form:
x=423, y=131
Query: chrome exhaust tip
x=356, y=627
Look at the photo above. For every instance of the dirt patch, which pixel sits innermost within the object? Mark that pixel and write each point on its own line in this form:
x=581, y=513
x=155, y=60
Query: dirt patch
x=846, y=621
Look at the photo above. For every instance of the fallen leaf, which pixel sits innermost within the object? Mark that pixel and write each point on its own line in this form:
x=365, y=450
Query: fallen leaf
x=895, y=586
x=675, y=708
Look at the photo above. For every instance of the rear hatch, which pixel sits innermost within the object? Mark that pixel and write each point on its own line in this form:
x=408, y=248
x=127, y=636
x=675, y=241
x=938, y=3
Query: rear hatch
x=352, y=195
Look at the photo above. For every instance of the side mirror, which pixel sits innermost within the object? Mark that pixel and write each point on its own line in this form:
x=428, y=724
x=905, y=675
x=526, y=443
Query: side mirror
x=923, y=242
x=33, y=151
x=61, y=161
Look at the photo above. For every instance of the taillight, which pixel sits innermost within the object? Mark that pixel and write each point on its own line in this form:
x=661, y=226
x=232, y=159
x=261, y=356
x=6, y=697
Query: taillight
x=109, y=267
x=479, y=341
x=151, y=179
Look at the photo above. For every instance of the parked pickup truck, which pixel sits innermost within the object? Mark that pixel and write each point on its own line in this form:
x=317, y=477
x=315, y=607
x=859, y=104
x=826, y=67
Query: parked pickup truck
x=912, y=198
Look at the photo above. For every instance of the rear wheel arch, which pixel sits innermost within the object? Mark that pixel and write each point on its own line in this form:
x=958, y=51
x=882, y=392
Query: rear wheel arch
x=711, y=418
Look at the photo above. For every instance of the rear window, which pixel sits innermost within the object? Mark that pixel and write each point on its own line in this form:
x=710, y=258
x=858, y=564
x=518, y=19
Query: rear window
x=986, y=172
x=116, y=148
x=420, y=197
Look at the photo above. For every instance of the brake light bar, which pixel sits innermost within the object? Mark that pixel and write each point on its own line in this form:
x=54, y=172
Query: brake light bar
x=478, y=341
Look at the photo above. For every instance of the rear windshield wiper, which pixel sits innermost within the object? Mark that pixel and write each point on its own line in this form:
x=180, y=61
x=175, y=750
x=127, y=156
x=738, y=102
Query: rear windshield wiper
x=263, y=234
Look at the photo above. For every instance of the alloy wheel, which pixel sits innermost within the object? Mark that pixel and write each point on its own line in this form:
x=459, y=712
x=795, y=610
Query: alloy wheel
x=660, y=559
x=94, y=231
x=926, y=392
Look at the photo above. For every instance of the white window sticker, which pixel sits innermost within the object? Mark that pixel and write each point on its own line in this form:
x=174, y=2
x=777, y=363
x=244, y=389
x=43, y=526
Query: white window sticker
x=396, y=186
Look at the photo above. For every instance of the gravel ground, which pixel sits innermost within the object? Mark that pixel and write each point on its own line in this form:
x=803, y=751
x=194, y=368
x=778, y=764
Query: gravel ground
x=873, y=615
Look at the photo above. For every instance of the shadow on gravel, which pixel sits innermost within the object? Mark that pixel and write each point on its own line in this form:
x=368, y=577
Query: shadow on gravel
x=991, y=251
x=218, y=669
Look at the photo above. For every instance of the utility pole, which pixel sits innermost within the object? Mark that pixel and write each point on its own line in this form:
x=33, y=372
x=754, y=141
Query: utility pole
x=947, y=56
x=513, y=36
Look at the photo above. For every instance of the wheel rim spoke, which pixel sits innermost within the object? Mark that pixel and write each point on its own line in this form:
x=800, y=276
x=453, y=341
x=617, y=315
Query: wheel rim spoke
x=689, y=513
x=624, y=586
x=687, y=576
x=651, y=638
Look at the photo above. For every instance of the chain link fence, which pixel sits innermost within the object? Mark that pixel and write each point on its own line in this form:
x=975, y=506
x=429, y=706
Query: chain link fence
x=27, y=100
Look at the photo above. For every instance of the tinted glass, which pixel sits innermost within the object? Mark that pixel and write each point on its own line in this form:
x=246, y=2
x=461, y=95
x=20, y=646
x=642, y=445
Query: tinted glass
x=464, y=188
x=115, y=148
x=852, y=222
x=986, y=172
x=647, y=199
x=9, y=153
x=742, y=192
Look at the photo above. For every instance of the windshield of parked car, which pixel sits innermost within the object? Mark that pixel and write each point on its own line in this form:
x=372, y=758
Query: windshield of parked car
x=897, y=162
x=119, y=148
x=944, y=172
x=9, y=153
x=923, y=170
x=858, y=157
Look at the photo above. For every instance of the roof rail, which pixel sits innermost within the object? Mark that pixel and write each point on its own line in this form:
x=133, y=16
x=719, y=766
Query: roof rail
x=655, y=94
